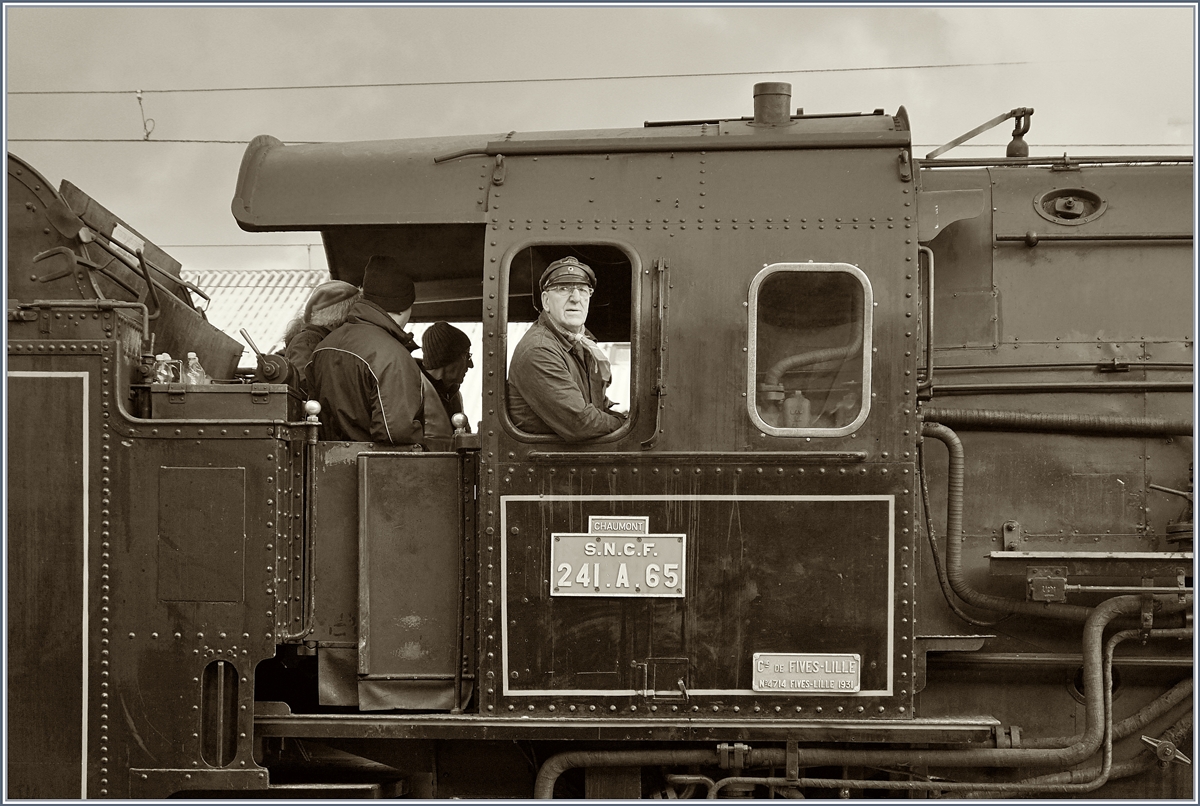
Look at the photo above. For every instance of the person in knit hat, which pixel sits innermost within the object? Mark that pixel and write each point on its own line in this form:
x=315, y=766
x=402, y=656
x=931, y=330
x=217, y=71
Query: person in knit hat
x=446, y=357
x=368, y=384
x=324, y=312
x=559, y=376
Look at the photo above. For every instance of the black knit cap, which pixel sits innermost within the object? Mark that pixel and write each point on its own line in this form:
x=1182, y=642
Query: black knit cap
x=442, y=343
x=385, y=284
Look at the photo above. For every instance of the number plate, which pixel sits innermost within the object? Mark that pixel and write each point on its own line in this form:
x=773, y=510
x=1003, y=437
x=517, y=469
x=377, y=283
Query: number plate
x=617, y=557
x=799, y=673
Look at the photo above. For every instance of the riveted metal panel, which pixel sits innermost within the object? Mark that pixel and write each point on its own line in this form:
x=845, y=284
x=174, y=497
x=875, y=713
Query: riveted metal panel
x=1081, y=290
x=334, y=490
x=201, y=534
x=717, y=219
x=776, y=574
x=780, y=558
x=151, y=653
x=410, y=558
x=48, y=536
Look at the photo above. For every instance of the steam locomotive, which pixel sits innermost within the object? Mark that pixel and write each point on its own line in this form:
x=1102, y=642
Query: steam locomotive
x=902, y=508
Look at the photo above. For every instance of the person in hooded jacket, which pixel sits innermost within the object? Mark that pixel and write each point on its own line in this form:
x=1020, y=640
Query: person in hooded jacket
x=325, y=311
x=368, y=384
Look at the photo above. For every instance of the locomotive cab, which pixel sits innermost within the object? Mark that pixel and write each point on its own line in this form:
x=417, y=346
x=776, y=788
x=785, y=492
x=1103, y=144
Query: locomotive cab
x=767, y=580
x=765, y=309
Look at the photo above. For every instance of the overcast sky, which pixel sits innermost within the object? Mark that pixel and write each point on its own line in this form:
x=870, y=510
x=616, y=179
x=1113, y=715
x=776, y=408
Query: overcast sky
x=1102, y=79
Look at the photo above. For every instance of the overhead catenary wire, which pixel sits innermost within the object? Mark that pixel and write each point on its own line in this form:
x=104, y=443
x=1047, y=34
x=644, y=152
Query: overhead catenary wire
x=543, y=80
x=319, y=142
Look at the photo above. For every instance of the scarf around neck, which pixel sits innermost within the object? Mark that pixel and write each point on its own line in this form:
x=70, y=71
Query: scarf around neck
x=589, y=349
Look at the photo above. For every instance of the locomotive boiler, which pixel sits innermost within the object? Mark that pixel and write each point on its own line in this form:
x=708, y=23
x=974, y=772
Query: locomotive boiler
x=902, y=507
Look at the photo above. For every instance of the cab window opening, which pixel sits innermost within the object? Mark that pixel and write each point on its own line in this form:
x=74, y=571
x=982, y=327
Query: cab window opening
x=443, y=261
x=810, y=365
x=610, y=319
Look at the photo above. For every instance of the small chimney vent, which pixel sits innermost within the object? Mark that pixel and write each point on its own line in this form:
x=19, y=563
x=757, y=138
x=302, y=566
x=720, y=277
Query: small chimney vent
x=772, y=103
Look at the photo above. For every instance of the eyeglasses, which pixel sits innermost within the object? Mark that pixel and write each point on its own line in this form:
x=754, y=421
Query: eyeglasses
x=585, y=291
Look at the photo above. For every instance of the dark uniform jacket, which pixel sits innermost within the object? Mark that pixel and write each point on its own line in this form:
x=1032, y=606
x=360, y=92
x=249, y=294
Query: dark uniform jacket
x=555, y=387
x=371, y=389
x=299, y=352
x=452, y=399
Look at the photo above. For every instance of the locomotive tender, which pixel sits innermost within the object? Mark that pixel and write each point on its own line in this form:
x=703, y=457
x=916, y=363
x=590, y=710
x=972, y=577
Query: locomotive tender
x=902, y=506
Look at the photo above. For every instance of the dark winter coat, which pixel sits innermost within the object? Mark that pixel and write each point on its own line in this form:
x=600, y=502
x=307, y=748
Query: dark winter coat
x=554, y=387
x=452, y=399
x=370, y=387
x=299, y=351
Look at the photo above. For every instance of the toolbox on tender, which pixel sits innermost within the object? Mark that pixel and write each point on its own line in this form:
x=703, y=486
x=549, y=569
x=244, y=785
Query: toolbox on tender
x=225, y=401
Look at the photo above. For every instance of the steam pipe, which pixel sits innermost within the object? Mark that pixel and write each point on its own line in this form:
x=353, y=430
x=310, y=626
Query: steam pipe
x=1055, y=782
x=1062, y=783
x=1017, y=757
x=555, y=766
x=939, y=566
x=1151, y=711
x=927, y=381
x=775, y=373
x=954, y=541
x=1126, y=769
x=1097, y=677
x=1099, y=711
x=1106, y=424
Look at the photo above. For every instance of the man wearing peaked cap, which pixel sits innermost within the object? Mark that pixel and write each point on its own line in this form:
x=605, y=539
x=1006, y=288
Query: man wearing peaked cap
x=568, y=270
x=368, y=384
x=446, y=357
x=559, y=376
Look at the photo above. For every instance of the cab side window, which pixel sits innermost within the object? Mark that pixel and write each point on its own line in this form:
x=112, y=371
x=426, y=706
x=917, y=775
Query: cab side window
x=610, y=315
x=810, y=363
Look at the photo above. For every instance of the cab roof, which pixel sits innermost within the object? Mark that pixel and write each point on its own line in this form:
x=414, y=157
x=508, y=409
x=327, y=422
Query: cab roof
x=444, y=180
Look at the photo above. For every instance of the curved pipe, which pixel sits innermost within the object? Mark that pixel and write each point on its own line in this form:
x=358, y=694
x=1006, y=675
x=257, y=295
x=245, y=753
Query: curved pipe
x=954, y=544
x=939, y=566
x=1076, y=781
x=1097, y=677
x=1098, y=732
x=1106, y=424
x=775, y=373
x=1151, y=711
x=954, y=541
x=543, y=788
x=1066, y=781
x=1018, y=757
x=1140, y=763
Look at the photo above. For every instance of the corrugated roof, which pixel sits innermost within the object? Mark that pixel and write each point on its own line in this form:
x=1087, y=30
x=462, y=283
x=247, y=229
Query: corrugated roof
x=261, y=301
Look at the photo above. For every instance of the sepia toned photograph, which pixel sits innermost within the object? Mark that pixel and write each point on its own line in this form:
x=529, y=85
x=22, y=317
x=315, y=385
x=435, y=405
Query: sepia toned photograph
x=609, y=401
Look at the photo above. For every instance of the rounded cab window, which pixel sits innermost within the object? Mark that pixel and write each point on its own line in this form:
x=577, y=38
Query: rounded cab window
x=810, y=365
x=609, y=323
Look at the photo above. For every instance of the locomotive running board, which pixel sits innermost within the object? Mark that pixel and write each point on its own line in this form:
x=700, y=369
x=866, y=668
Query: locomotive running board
x=270, y=719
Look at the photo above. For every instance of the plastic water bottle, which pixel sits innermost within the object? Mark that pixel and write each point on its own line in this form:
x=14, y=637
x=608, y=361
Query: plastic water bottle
x=193, y=373
x=165, y=369
x=797, y=411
